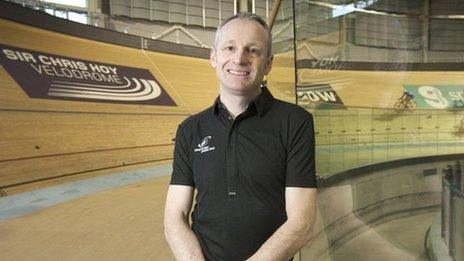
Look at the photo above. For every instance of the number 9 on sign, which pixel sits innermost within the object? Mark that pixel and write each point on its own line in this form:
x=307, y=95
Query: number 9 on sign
x=433, y=97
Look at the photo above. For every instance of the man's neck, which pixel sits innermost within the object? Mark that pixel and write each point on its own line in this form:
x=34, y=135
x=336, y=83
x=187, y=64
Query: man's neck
x=237, y=104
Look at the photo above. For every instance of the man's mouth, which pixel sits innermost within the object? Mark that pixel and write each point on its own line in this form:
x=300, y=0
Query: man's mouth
x=238, y=73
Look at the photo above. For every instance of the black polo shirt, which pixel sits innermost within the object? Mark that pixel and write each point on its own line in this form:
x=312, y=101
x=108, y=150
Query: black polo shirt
x=241, y=168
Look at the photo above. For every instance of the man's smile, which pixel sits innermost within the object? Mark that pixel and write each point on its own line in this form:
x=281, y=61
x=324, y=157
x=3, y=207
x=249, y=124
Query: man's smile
x=238, y=73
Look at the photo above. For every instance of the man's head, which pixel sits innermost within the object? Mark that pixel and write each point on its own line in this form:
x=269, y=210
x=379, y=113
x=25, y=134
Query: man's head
x=241, y=53
x=250, y=17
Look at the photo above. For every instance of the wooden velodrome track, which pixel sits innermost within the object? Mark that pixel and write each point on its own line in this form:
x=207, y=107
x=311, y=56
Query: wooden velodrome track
x=46, y=142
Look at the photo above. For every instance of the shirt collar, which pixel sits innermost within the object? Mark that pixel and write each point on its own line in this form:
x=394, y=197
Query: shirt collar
x=262, y=103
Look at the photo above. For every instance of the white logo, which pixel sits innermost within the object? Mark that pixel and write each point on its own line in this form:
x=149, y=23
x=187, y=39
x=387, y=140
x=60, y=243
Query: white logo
x=433, y=97
x=204, y=145
x=141, y=91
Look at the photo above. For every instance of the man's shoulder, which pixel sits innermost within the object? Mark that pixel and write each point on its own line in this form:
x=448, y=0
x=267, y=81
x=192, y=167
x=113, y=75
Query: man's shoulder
x=287, y=109
x=196, y=118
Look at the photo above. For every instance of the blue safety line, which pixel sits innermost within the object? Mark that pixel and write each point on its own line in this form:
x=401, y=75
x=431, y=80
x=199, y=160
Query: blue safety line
x=19, y=204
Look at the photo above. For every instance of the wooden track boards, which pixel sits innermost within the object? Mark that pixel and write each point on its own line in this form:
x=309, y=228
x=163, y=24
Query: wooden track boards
x=43, y=138
x=119, y=224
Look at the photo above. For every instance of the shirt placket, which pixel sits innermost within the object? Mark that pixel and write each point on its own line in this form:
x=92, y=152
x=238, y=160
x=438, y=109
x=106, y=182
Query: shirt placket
x=231, y=161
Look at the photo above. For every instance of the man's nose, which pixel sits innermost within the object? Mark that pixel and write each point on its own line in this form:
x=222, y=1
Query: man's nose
x=240, y=56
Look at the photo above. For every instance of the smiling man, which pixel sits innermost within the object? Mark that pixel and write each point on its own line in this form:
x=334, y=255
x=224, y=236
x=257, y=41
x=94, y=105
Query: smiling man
x=249, y=156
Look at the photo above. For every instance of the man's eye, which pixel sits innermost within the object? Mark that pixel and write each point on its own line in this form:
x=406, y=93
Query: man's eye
x=255, y=51
x=229, y=48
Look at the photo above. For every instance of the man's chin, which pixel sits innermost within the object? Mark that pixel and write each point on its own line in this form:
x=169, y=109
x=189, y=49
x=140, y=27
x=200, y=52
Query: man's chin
x=242, y=89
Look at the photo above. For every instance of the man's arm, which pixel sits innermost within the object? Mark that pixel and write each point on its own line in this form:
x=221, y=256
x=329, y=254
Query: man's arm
x=181, y=239
x=296, y=232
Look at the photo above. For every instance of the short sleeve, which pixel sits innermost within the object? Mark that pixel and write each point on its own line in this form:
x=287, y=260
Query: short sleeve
x=301, y=166
x=181, y=166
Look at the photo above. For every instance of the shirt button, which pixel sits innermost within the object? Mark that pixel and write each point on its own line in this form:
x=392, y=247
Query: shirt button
x=229, y=118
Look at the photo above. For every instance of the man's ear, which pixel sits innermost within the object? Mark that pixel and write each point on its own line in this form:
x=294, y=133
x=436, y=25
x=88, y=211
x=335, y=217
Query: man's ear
x=212, y=57
x=268, y=66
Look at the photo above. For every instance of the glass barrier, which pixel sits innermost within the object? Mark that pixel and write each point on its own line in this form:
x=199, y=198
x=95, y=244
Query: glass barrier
x=349, y=137
x=383, y=80
x=368, y=72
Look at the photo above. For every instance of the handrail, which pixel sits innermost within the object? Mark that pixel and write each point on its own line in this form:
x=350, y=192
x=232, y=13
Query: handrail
x=451, y=220
x=176, y=28
x=425, y=242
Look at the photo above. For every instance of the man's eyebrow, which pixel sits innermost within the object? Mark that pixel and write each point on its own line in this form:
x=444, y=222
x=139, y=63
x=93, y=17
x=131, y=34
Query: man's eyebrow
x=229, y=42
x=249, y=45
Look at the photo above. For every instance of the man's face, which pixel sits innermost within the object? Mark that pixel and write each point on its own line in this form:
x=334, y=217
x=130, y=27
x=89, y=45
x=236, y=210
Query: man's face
x=240, y=56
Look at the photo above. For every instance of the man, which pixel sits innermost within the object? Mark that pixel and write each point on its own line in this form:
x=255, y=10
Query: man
x=250, y=157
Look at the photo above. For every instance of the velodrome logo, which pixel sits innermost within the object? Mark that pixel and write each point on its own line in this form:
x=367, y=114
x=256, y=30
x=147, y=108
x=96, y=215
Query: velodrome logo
x=48, y=76
x=315, y=94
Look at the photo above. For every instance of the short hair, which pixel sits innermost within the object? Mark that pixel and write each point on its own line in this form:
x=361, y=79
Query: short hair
x=249, y=17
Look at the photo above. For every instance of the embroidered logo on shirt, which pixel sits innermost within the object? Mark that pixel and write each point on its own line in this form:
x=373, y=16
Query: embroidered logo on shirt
x=204, y=145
